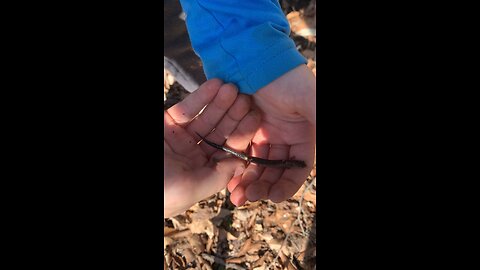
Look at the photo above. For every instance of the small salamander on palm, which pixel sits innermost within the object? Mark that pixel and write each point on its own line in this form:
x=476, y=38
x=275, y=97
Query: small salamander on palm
x=283, y=163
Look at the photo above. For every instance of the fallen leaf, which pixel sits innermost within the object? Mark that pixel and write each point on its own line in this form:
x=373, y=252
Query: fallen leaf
x=202, y=226
x=179, y=234
x=245, y=248
x=261, y=262
x=302, y=26
x=178, y=260
x=267, y=236
x=254, y=248
x=196, y=243
x=240, y=259
x=252, y=219
x=189, y=256
x=167, y=241
x=275, y=244
x=252, y=257
x=231, y=237
x=168, y=230
x=242, y=215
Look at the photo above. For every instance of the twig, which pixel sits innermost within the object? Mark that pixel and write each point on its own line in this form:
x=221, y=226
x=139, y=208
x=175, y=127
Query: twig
x=300, y=212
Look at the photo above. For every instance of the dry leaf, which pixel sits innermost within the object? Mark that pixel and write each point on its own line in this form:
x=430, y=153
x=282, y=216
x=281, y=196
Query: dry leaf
x=202, y=226
x=179, y=261
x=283, y=259
x=168, y=258
x=167, y=230
x=252, y=219
x=267, y=236
x=196, y=243
x=201, y=213
x=275, y=244
x=242, y=215
x=178, y=234
x=291, y=266
x=252, y=258
x=240, y=259
x=255, y=247
x=310, y=197
x=301, y=25
x=179, y=222
x=282, y=218
x=237, y=224
x=265, y=258
x=245, y=248
x=167, y=241
x=310, y=205
x=231, y=237
x=189, y=256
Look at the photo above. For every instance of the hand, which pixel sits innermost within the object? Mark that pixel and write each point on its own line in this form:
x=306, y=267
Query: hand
x=192, y=172
x=287, y=131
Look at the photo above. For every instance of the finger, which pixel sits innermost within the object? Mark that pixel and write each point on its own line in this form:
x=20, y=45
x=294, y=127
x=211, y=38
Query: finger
x=246, y=129
x=292, y=179
x=228, y=123
x=233, y=183
x=252, y=173
x=240, y=140
x=260, y=189
x=184, y=111
x=181, y=142
x=243, y=134
x=214, y=111
x=241, y=137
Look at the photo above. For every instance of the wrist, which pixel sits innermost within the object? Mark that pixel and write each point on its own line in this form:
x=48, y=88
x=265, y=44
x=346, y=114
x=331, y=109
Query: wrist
x=307, y=94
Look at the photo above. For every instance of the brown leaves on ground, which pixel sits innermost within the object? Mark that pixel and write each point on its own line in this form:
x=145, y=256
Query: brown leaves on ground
x=303, y=26
x=215, y=235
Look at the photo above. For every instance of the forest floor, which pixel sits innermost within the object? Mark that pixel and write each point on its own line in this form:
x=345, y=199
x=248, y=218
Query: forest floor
x=214, y=234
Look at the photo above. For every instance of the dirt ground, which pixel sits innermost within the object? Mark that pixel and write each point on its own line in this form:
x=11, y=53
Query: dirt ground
x=214, y=234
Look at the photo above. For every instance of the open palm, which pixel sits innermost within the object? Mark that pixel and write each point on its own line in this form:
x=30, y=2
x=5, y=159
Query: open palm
x=192, y=171
x=287, y=131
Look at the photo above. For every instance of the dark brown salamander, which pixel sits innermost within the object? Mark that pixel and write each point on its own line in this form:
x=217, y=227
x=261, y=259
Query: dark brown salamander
x=284, y=163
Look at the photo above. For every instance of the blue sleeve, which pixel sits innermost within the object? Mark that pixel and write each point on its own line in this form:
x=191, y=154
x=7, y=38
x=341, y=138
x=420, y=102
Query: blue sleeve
x=243, y=42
